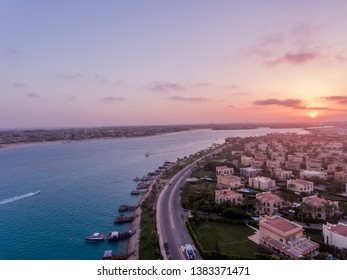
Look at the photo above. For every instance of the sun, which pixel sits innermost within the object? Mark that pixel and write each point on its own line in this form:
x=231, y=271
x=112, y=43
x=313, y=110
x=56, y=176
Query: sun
x=313, y=115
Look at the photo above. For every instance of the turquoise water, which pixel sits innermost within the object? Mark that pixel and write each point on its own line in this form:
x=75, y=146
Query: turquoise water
x=82, y=185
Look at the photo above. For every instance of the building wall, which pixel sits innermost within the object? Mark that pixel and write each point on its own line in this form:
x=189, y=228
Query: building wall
x=263, y=231
x=334, y=239
x=224, y=171
x=246, y=161
x=295, y=186
x=306, y=174
x=262, y=183
x=225, y=182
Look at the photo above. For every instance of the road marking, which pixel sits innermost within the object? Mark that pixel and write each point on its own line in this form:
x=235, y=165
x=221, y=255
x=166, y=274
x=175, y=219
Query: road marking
x=172, y=223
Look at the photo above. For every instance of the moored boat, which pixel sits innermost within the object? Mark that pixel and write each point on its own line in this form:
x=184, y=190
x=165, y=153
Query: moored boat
x=108, y=255
x=116, y=235
x=136, y=192
x=125, y=207
x=124, y=219
x=96, y=237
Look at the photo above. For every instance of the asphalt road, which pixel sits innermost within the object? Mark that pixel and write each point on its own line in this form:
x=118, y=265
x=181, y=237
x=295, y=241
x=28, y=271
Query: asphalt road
x=171, y=217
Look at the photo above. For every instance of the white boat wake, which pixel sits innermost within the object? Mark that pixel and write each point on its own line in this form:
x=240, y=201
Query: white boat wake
x=18, y=197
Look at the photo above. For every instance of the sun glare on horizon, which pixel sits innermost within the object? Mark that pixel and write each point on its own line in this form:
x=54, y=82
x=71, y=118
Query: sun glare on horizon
x=313, y=115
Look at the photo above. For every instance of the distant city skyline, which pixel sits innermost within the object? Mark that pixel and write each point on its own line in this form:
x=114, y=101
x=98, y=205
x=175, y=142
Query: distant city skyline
x=74, y=63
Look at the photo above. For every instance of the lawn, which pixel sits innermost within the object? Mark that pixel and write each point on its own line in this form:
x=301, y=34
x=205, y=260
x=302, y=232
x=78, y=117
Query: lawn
x=231, y=238
x=314, y=234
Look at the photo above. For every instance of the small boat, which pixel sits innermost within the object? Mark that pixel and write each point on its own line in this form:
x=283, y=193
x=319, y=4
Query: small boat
x=136, y=192
x=108, y=255
x=142, y=187
x=116, y=235
x=96, y=237
x=124, y=219
x=136, y=179
x=126, y=207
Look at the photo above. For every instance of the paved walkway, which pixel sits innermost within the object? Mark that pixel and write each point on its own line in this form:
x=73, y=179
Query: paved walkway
x=134, y=241
x=255, y=236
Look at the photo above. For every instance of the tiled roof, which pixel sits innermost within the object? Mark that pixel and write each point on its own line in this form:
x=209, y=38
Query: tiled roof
x=302, y=182
x=314, y=200
x=222, y=167
x=296, y=252
x=229, y=178
x=226, y=192
x=340, y=229
x=281, y=224
x=267, y=196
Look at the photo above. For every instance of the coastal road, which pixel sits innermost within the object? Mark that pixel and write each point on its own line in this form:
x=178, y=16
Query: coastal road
x=171, y=217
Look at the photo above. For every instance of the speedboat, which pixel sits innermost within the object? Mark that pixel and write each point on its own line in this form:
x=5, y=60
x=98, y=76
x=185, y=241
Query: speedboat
x=96, y=237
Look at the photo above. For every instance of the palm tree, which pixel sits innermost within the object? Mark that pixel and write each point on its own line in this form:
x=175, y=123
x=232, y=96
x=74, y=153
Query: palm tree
x=306, y=209
x=329, y=208
x=291, y=186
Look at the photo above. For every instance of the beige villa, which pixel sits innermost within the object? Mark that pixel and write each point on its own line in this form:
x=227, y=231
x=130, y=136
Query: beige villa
x=268, y=203
x=229, y=182
x=320, y=208
x=228, y=195
x=300, y=186
x=285, y=237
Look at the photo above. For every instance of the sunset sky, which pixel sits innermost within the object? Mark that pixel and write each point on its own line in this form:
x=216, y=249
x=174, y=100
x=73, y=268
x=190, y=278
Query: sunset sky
x=72, y=63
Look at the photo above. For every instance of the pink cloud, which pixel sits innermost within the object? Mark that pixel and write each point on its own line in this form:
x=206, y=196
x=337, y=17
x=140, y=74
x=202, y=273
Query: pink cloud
x=111, y=99
x=336, y=98
x=187, y=99
x=297, y=58
x=295, y=45
x=165, y=87
x=274, y=101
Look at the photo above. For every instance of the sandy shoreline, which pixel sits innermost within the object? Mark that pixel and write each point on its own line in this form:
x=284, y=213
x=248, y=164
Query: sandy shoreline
x=28, y=144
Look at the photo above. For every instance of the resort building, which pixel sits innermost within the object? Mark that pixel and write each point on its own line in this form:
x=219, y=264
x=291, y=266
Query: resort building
x=341, y=176
x=285, y=238
x=300, y=186
x=262, y=183
x=314, y=164
x=293, y=165
x=283, y=175
x=249, y=172
x=228, y=195
x=268, y=203
x=224, y=170
x=229, y=182
x=246, y=161
x=273, y=164
x=320, y=208
x=335, y=235
x=308, y=174
x=336, y=167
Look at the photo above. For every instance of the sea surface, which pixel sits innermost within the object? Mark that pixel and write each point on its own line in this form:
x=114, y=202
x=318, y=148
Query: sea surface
x=82, y=185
